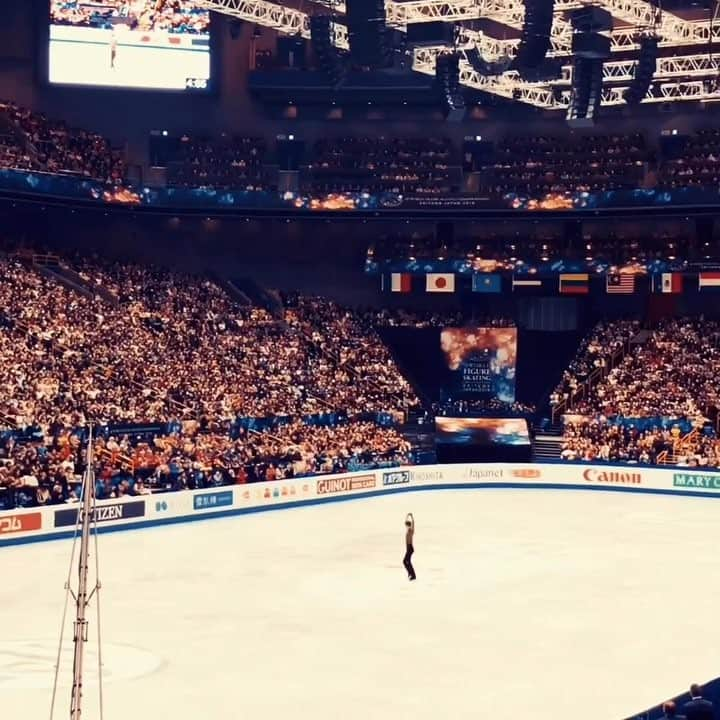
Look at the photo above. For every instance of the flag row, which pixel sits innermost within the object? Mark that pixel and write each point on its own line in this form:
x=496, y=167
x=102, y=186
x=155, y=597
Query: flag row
x=565, y=283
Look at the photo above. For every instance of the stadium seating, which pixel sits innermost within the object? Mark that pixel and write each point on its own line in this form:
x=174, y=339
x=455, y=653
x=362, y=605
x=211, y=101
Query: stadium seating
x=657, y=402
x=173, y=355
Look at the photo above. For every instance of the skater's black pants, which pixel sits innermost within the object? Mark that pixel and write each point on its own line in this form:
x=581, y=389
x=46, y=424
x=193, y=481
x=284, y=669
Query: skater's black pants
x=407, y=562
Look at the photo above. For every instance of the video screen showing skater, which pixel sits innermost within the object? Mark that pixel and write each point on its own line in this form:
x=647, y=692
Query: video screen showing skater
x=153, y=44
x=482, y=431
x=481, y=361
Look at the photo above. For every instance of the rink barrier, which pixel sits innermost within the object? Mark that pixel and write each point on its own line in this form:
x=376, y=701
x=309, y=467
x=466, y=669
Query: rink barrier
x=56, y=522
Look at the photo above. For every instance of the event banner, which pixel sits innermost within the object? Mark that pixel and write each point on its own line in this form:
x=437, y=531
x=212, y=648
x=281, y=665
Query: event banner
x=481, y=361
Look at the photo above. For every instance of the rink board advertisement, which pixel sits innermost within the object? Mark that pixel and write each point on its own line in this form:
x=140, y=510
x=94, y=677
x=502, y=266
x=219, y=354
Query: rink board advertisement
x=104, y=512
x=481, y=362
x=20, y=526
x=151, y=44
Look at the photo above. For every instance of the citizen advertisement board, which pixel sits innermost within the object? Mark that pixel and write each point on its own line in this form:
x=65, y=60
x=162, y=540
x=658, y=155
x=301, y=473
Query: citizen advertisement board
x=398, y=477
x=208, y=501
x=20, y=523
x=103, y=513
x=345, y=484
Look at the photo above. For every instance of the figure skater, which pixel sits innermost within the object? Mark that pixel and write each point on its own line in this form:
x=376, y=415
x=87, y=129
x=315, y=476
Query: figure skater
x=409, y=549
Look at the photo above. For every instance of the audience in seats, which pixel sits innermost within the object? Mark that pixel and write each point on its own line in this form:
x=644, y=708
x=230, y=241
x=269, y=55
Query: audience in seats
x=49, y=472
x=172, y=17
x=673, y=374
x=698, y=164
x=225, y=163
x=634, y=413
x=538, y=166
x=175, y=348
x=378, y=164
x=606, y=340
x=51, y=146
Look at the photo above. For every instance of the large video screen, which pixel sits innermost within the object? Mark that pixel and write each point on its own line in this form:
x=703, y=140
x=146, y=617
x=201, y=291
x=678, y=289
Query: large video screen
x=481, y=361
x=482, y=431
x=152, y=44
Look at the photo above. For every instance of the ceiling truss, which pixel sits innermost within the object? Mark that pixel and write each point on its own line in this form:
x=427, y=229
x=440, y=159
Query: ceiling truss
x=678, y=78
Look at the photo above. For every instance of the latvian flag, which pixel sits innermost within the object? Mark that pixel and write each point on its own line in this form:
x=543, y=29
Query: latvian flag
x=709, y=281
x=440, y=282
x=400, y=282
x=669, y=283
x=574, y=284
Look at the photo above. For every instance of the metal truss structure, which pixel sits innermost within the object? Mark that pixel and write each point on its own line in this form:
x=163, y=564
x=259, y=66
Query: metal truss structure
x=677, y=78
x=639, y=14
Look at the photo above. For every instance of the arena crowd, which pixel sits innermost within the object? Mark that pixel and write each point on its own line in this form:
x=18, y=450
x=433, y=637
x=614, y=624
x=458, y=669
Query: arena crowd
x=176, y=352
x=663, y=390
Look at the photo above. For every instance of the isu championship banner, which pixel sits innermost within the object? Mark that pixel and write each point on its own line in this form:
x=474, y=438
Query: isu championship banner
x=481, y=362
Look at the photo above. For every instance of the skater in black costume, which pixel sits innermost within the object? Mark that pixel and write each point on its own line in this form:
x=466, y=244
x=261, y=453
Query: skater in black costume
x=409, y=549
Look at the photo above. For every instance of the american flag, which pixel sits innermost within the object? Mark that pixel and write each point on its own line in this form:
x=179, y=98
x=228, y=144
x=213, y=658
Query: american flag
x=620, y=284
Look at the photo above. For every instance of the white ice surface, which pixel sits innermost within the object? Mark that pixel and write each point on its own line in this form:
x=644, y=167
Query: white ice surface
x=527, y=604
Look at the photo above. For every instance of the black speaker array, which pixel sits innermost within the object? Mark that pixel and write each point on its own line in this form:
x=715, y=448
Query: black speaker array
x=329, y=60
x=644, y=70
x=370, y=42
x=535, y=38
x=447, y=75
x=586, y=91
x=590, y=47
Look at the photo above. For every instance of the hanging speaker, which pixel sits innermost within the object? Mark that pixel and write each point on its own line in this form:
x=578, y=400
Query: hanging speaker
x=644, y=70
x=329, y=60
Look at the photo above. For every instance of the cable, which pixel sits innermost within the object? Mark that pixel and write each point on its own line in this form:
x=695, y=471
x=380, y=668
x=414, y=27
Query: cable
x=97, y=603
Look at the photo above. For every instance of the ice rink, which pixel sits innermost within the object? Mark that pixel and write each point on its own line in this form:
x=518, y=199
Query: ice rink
x=528, y=603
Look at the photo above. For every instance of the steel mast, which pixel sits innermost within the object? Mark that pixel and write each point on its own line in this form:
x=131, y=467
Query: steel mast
x=84, y=594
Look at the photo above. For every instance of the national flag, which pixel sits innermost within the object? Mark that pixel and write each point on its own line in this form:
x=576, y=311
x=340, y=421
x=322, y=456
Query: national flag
x=527, y=285
x=440, y=282
x=670, y=283
x=709, y=281
x=623, y=284
x=487, y=282
x=574, y=284
x=400, y=282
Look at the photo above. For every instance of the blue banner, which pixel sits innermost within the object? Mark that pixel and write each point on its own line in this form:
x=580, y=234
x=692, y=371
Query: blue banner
x=206, y=501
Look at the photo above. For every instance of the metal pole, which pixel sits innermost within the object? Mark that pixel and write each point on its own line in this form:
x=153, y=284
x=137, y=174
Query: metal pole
x=80, y=632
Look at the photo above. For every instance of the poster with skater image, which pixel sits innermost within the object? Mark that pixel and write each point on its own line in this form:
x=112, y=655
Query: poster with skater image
x=481, y=362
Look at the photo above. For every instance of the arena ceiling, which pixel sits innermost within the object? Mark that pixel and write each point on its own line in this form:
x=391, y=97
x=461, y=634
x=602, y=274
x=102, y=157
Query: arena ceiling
x=688, y=67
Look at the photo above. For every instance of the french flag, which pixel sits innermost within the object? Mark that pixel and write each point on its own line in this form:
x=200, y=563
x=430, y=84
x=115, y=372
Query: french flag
x=400, y=282
x=709, y=281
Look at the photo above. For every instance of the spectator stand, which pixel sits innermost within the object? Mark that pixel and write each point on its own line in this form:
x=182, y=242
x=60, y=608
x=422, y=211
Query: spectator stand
x=573, y=389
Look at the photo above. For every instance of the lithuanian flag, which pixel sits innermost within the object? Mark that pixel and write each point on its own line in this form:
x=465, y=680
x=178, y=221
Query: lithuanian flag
x=574, y=284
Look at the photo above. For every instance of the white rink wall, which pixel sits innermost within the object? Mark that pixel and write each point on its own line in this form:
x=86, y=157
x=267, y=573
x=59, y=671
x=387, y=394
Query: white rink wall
x=54, y=522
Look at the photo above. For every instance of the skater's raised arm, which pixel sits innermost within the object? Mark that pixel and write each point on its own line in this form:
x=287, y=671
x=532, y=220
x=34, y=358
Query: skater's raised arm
x=411, y=519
